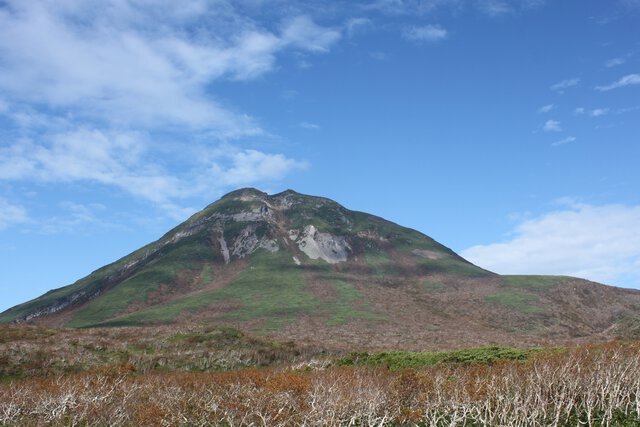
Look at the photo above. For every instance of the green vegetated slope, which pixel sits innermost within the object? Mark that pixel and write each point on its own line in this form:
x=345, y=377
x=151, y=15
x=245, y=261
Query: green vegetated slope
x=185, y=259
x=270, y=289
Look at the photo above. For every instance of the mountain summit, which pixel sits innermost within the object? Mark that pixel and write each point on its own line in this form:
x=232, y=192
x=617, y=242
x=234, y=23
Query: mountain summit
x=306, y=268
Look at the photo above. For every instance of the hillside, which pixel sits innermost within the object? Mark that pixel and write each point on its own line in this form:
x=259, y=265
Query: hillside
x=307, y=269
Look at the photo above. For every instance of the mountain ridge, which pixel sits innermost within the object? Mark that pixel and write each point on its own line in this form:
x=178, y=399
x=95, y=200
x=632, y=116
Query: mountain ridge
x=306, y=268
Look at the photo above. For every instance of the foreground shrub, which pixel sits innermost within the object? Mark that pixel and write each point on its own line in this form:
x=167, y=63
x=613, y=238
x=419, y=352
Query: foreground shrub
x=593, y=386
x=399, y=360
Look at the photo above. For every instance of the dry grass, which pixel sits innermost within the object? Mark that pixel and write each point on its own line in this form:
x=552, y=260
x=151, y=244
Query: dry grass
x=591, y=385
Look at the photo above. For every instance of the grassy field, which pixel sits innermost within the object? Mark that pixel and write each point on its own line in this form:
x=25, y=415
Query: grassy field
x=348, y=306
x=516, y=299
x=212, y=376
x=533, y=282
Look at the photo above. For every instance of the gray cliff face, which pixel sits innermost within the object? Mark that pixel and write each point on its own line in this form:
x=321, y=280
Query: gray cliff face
x=317, y=245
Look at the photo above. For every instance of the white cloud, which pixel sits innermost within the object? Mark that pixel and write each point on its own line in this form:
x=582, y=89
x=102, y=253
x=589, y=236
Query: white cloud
x=397, y=7
x=600, y=243
x=551, y=126
x=76, y=77
x=566, y=140
x=565, y=84
x=420, y=7
x=125, y=161
x=494, y=7
x=76, y=216
x=596, y=112
x=502, y=7
x=426, y=33
x=142, y=63
x=614, y=62
x=11, y=214
x=86, y=154
x=546, y=108
x=309, y=126
x=250, y=166
x=357, y=25
x=303, y=33
x=628, y=80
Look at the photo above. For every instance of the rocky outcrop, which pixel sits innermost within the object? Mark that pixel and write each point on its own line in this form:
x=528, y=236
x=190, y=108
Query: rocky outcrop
x=248, y=242
x=314, y=244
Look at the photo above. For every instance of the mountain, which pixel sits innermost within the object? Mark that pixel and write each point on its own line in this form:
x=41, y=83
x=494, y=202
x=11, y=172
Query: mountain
x=305, y=268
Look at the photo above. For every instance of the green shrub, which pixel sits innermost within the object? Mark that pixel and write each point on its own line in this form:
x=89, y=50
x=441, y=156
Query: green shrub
x=399, y=360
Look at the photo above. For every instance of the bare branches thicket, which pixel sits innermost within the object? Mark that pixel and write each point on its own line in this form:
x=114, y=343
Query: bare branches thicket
x=590, y=386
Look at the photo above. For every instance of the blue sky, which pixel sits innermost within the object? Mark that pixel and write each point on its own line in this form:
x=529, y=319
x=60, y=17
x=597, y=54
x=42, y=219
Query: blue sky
x=507, y=130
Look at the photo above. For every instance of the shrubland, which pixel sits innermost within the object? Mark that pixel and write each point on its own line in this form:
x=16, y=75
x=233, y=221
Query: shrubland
x=593, y=385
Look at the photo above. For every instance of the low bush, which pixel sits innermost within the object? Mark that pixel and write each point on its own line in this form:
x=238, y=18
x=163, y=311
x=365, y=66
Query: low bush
x=399, y=360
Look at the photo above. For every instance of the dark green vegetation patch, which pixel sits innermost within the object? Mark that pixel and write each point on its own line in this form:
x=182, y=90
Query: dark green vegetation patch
x=399, y=360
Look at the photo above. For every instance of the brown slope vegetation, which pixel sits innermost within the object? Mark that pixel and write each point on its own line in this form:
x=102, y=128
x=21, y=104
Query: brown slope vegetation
x=593, y=385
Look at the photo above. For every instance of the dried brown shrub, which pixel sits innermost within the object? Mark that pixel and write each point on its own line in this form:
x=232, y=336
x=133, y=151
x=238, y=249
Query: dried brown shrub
x=591, y=385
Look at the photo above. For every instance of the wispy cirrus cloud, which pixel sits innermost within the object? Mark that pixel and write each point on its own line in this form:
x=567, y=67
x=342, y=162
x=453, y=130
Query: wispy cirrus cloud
x=596, y=242
x=628, y=80
x=564, y=141
x=562, y=85
x=494, y=7
x=309, y=126
x=73, y=218
x=603, y=111
x=501, y=7
x=546, y=108
x=551, y=126
x=425, y=33
x=357, y=25
x=614, y=62
x=12, y=213
x=421, y=7
x=401, y=7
